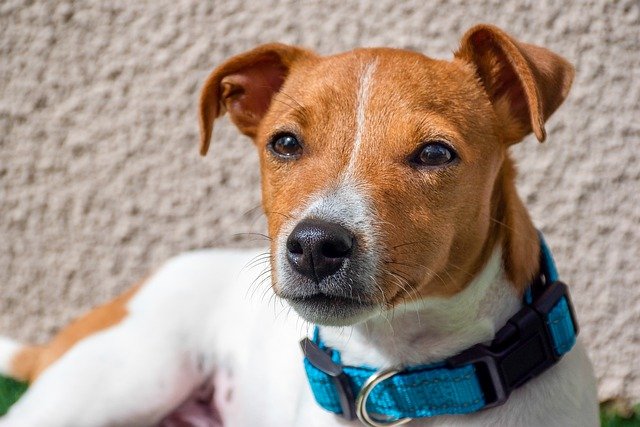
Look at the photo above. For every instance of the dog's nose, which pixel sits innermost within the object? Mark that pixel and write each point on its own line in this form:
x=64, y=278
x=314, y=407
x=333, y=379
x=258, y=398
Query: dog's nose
x=317, y=249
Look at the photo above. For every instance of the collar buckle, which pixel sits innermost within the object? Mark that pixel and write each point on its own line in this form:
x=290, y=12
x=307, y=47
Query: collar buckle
x=521, y=350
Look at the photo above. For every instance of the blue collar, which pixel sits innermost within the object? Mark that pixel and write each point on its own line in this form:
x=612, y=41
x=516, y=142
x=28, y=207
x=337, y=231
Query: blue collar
x=481, y=377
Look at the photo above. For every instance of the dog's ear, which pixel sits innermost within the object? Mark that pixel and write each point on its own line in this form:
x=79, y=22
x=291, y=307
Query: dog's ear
x=244, y=86
x=525, y=83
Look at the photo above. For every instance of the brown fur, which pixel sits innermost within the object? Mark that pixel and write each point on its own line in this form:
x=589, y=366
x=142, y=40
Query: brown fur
x=24, y=361
x=437, y=228
x=244, y=86
x=526, y=83
x=31, y=362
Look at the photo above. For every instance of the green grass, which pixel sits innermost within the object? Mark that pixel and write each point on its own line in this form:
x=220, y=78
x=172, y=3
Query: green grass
x=610, y=416
x=10, y=392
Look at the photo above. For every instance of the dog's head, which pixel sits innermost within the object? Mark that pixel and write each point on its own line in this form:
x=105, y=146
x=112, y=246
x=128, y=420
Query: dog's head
x=385, y=174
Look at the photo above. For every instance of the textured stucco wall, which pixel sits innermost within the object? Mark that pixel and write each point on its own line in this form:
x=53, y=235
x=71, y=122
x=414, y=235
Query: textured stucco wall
x=100, y=178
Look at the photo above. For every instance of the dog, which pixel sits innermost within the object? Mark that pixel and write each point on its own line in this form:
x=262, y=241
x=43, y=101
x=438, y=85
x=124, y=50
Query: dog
x=394, y=225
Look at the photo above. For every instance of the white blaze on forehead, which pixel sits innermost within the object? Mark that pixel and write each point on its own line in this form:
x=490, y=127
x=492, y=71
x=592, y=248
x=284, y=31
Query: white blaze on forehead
x=364, y=89
x=345, y=202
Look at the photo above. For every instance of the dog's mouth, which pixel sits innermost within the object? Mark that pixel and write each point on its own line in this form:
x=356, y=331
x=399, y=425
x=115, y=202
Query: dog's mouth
x=332, y=310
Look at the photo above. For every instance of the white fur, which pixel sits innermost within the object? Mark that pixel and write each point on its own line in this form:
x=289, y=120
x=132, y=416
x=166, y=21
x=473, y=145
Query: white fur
x=8, y=350
x=196, y=318
x=432, y=329
x=362, y=100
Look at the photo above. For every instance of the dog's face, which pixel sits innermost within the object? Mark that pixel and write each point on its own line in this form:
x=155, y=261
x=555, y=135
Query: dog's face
x=386, y=168
x=382, y=169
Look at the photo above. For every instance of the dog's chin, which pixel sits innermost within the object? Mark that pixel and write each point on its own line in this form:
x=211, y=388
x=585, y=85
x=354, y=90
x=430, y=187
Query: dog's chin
x=329, y=310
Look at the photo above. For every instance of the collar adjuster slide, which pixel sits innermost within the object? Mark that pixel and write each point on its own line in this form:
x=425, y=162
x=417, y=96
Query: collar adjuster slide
x=323, y=362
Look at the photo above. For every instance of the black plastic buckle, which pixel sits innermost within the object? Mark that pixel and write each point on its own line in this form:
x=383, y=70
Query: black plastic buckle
x=521, y=350
x=322, y=361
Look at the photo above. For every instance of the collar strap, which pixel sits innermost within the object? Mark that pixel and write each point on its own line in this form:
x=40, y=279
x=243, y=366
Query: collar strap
x=481, y=377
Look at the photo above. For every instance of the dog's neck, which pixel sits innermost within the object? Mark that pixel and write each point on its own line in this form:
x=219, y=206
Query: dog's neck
x=431, y=329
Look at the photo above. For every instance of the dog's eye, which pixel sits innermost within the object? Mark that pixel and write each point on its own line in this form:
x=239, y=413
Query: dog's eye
x=434, y=153
x=286, y=146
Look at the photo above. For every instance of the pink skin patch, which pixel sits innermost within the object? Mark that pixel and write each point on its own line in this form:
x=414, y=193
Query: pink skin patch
x=205, y=405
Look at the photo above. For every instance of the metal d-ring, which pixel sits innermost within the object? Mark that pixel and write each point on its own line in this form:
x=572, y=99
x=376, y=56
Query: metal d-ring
x=363, y=396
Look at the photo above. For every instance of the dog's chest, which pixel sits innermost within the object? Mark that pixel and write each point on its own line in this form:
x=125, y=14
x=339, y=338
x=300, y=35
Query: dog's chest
x=249, y=346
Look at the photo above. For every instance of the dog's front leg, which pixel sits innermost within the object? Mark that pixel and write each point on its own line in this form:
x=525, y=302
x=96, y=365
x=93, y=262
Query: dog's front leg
x=122, y=376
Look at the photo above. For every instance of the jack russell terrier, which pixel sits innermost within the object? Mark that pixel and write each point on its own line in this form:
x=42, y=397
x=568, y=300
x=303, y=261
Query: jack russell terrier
x=394, y=226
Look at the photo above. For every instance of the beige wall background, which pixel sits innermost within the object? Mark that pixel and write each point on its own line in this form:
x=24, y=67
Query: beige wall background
x=100, y=179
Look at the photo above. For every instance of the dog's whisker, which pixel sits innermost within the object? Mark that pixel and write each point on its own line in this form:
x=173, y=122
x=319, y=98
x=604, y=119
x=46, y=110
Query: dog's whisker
x=429, y=270
x=252, y=262
x=281, y=92
x=263, y=277
x=259, y=260
x=449, y=263
x=264, y=236
x=258, y=285
x=265, y=270
x=256, y=279
x=403, y=284
x=275, y=98
x=512, y=230
x=282, y=310
x=291, y=98
x=262, y=262
x=460, y=269
x=272, y=302
x=251, y=211
x=406, y=244
x=266, y=290
x=412, y=294
x=279, y=213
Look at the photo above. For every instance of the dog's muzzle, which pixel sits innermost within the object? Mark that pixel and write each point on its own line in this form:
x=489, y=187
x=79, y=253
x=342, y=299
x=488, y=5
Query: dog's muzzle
x=325, y=273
